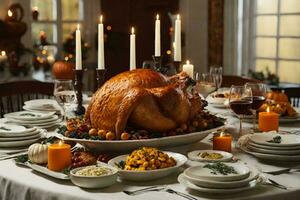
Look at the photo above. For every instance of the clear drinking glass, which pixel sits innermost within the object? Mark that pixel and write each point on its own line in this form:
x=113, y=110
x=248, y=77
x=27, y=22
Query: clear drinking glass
x=205, y=84
x=64, y=94
x=217, y=72
x=240, y=102
x=259, y=92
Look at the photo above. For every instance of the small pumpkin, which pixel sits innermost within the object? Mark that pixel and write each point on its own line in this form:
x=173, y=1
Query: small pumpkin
x=63, y=70
x=38, y=153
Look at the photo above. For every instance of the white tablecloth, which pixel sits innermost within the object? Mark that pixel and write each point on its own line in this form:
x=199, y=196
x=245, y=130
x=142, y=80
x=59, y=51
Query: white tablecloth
x=18, y=183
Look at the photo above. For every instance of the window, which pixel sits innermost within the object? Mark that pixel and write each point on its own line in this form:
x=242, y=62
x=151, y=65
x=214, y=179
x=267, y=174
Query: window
x=276, y=38
x=56, y=20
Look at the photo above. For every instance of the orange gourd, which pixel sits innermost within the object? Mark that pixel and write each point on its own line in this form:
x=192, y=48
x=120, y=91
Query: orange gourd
x=63, y=70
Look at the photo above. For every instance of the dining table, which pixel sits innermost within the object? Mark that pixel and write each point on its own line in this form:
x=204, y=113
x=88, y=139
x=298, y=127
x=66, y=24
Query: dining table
x=20, y=183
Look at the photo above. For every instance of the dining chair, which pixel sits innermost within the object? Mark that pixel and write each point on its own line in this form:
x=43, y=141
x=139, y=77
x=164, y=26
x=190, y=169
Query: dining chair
x=14, y=94
x=293, y=95
x=229, y=80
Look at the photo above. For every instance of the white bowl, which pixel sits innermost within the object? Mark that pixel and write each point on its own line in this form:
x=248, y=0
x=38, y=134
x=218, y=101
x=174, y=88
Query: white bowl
x=148, y=174
x=194, y=155
x=94, y=181
x=199, y=172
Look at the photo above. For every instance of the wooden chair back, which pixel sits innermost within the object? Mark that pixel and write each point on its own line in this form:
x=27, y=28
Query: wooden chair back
x=13, y=94
x=293, y=95
x=229, y=80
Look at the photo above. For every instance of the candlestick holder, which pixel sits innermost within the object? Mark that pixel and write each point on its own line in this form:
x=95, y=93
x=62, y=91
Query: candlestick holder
x=100, y=78
x=177, y=66
x=158, y=64
x=80, y=110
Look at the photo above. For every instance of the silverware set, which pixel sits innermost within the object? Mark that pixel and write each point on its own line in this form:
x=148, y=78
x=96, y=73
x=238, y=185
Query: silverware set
x=157, y=189
x=5, y=156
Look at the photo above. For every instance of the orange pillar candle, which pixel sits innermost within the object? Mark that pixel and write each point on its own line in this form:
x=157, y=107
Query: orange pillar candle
x=268, y=121
x=59, y=156
x=222, y=142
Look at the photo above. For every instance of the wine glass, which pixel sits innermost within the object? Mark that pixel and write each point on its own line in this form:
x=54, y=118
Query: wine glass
x=205, y=84
x=240, y=102
x=64, y=94
x=259, y=92
x=217, y=72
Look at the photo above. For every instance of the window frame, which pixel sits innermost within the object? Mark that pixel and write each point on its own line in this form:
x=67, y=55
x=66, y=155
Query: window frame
x=251, y=30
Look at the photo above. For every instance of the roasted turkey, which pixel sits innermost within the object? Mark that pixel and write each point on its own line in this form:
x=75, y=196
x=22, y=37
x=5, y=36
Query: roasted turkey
x=143, y=99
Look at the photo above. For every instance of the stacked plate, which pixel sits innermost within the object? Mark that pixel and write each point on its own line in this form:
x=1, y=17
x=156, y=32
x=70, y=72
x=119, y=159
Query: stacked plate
x=274, y=146
x=33, y=119
x=205, y=180
x=42, y=105
x=17, y=136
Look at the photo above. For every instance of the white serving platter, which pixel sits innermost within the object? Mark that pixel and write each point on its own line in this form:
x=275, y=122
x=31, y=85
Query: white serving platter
x=148, y=175
x=195, y=155
x=274, y=152
x=128, y=145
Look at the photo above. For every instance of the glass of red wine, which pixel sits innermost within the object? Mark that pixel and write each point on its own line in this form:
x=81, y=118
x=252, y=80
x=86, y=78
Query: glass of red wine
x=259, y=92
x=240, y=102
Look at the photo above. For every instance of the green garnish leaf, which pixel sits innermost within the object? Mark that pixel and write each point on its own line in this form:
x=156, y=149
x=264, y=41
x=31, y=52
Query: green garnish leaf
x=120, y=164
x=220, y=168
x=276, y=139
x=22, y=158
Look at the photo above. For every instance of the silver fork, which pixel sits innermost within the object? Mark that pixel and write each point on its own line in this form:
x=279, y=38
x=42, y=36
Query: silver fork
x=180, y=194
x=283, y=171
x=147, y=189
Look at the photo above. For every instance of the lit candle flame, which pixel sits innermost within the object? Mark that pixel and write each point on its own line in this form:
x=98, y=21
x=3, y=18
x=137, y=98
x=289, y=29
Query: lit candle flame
x=157, y=16
x=9, y=13
x=268, y=109
x=101, y=19
x=178, y=16
x=3, y=53
x=35, y=8
x=132, y=30
x=187, y=62
x=78, y=26
x=61, y=142
x=222, y=134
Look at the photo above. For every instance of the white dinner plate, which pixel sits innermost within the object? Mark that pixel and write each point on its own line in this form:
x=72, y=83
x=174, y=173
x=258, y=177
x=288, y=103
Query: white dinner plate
x=37, y=121
x=29, y=116
x=185, y=182
x=276, y=152
x=286, y=140
x=195, y=155
x=200, y=172
x=148, y=174
x=273, y=148
x=271, y=157
x=28, y=132
x=128, y=145
x=18, y=143
x=53, y=121
x=8, y=139
x=11, y=129
x=224, y=184
x=42, y=104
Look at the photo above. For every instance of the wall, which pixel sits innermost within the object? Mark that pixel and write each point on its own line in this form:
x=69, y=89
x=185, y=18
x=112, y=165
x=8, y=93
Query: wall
x=195, y=17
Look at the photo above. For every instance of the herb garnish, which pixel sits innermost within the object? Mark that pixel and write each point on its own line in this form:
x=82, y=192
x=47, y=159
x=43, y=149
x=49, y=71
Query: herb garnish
x=27, y=114
x=22, y=158
x=4, y=128
x=120, y=164
x=220, y=168
x=276, y=139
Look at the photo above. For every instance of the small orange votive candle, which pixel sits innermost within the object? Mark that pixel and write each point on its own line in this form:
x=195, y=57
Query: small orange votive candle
x=222, y=142
x=268, y=121
x=59, y=156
